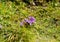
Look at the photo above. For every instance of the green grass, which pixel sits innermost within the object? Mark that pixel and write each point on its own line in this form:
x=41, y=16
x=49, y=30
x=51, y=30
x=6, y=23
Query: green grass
x=45, y=29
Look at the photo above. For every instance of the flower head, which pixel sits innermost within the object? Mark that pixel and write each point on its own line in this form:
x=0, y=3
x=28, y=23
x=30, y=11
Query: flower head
x=30, y=21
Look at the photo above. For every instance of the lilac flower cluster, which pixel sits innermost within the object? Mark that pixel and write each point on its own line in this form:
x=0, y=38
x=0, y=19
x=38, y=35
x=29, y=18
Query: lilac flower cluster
x=29, y=20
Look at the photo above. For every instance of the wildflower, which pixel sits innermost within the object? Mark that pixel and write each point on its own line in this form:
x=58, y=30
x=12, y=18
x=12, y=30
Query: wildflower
x=31, y=20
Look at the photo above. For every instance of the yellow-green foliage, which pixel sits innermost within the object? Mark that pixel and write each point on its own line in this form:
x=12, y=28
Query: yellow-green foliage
x=45, y=29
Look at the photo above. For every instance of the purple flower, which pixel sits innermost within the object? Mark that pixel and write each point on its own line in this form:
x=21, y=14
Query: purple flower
x=31, y=20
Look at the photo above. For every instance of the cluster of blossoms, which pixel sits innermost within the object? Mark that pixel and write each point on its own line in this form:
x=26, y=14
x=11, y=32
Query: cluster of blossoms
x=30, y=20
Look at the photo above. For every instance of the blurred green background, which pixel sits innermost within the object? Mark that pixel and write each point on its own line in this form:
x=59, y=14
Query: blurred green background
x=45, y=29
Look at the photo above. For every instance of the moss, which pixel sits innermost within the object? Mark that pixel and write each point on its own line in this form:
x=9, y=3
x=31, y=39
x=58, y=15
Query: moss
x=45, y=29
